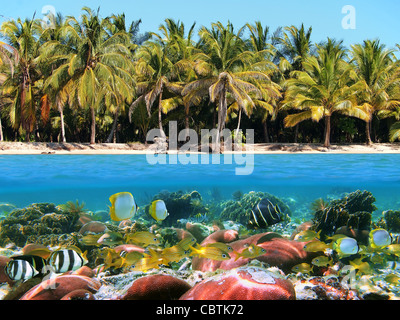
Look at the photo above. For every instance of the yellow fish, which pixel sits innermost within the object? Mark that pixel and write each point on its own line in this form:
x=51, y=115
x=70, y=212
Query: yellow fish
x=174, y=254
x=158, y=210
x=315, y=246
x=307, y=235
x=209, y=253
x=302, y=267
x=111, y=238
x=123, y=206
x=392, y=249
x=336, y=237
x=147, y=263
x=252, y=251
x=186, y=242
x=322, y=261
x=223, y=246
x=393, y=279
x=142, y=237
x=90, y=240
x=362, y=267
x=130, y=258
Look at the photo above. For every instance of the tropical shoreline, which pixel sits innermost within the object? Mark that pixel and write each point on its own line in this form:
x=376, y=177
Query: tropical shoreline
x=34, y=148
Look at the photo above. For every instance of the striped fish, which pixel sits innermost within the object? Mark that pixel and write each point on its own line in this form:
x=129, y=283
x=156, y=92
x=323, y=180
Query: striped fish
x=264, y=214
x=66, y=260
x=20, y=270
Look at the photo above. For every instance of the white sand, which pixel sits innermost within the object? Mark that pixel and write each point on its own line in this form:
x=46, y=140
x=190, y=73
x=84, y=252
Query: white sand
x=7, y=148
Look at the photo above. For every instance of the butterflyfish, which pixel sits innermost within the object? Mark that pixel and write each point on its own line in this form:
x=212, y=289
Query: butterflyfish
x=264, y=214
x=20, y=270
x=346, y=247
x=379, y=238
x=209, y=253
x=123, y=206
x=158, y=210
x=67, y=260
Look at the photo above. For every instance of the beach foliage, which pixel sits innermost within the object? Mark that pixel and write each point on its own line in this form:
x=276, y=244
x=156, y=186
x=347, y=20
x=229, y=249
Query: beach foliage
x=97, y=79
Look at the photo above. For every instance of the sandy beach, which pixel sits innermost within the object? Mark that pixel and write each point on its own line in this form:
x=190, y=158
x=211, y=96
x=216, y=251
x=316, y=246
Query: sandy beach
x=8, y=148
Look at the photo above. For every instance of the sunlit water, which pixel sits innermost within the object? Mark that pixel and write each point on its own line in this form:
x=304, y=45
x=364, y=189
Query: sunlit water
x=301, y=178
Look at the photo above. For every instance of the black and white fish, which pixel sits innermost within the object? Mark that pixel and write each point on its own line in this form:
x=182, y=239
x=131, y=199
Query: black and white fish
x=264, y=214
x=20, y=270
x=66, y=260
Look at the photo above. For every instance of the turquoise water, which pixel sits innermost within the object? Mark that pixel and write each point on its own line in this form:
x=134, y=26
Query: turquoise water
x=298, y=178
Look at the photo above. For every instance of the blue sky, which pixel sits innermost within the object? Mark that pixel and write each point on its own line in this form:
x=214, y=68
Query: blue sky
x=374, y=19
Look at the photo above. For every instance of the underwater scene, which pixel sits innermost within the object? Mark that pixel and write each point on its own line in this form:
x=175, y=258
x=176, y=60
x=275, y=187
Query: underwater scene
x=116, y=227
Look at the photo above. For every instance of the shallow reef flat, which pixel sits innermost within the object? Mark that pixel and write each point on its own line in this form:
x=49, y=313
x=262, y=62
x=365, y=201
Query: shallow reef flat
x=212, y=248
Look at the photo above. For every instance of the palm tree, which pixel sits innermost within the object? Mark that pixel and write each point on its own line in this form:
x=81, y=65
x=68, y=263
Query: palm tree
x=222, y=73
x=93, y=66
x=377, y=73
x=117, y=24
x=23, y=36
x=8, y=58
x=154, y=72
x=262, y=43
x=322, y=89
x=294, y=46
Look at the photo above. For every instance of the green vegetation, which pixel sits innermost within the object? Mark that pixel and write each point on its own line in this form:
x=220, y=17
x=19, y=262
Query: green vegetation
x=94, y=79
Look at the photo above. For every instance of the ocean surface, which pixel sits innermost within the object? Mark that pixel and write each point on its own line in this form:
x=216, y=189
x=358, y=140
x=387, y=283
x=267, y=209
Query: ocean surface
x=297, y=178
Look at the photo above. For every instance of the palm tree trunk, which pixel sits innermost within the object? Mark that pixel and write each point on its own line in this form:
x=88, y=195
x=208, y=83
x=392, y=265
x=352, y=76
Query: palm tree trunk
x=265, y=129
x=327, y=142
x=114, y=127
x=238, y=125
x=159, y=115
x=221, y=120
x=368, y=132
x=1, y=132
x=60, y=109
x=296, y=132
x=93, y=127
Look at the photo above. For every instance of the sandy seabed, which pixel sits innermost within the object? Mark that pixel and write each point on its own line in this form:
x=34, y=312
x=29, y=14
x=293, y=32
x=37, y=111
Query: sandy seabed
x=139, y=148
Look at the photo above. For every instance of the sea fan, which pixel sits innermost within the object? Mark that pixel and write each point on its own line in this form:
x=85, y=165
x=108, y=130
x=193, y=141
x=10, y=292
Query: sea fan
x=319, y=204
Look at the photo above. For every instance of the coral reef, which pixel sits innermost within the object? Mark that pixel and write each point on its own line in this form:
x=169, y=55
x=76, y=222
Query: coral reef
x=392, y=219
x=180, y=205
x=354, y=211
x=244, y=283
x=319, y=288
x=239, y=209
x=36, y=221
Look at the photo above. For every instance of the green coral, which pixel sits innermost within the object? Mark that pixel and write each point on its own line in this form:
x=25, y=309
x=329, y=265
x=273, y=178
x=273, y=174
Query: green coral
x=392, y=219
x=35, y=221
x=354, y=211
x=239, y=210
